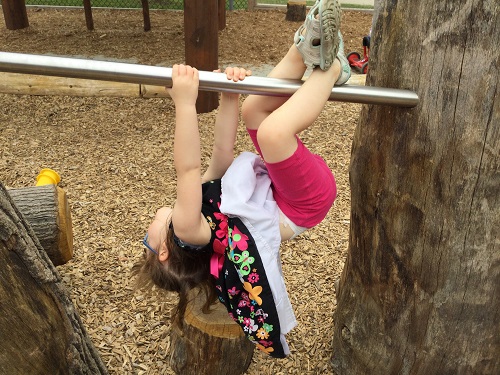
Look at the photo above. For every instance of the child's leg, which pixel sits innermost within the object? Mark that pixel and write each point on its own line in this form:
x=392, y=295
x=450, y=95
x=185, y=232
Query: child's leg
x=277, y=133
x=256, y=107
x=321, y=26
x=303, y=185
x=274, y=131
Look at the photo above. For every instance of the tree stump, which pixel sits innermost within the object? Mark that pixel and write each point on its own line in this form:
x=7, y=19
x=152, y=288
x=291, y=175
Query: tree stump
x=47, y=210
x=209, y=344
x=40, y=328
x=296, y=10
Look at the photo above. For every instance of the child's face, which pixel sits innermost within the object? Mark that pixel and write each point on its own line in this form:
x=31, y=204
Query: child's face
x=157, y=231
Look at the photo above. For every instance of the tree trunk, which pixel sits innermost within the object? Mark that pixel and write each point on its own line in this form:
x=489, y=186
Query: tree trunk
x=40, y=329
x=420, y=292
x=209, y=344
x=15, y=15
x=296, y=10
x=47, y=211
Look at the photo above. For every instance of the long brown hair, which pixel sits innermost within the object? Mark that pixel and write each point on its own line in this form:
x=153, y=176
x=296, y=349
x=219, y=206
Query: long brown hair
x=183, y=271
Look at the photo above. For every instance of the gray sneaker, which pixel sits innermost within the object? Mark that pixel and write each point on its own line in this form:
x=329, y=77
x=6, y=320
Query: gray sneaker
x=345, y=73
x=319, y=43
x=330, y=15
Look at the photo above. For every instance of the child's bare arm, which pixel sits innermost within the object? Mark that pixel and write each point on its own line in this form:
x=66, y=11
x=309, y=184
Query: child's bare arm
x=188, y=221
x=226, y=125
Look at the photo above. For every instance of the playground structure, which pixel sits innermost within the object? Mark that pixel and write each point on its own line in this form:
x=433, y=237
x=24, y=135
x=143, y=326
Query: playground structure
x=411, y=152
x=202, y=22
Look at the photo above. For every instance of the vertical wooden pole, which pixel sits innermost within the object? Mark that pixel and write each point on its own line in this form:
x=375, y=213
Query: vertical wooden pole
x=201, y=29
x=88, y=14
x=15, y=15
x=145, y=14
x=222, y=14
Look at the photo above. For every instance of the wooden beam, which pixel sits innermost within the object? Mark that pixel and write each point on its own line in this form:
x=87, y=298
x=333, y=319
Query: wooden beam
x=27, y=84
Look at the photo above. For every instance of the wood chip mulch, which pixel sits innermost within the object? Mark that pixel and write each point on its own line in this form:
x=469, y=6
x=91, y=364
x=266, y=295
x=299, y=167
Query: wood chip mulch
x=115, y=159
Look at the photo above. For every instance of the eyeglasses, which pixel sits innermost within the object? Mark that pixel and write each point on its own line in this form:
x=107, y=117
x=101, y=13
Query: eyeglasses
x=145, y=243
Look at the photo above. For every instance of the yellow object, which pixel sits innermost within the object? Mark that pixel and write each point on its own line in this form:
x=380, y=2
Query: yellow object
x=47, y=177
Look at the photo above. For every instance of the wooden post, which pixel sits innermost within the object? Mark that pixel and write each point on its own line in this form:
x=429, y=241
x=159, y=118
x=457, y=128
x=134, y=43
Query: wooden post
x=420, y=290
x=209, y=344
x=252, y=4
x=202, y=44
x=222, y=14
x=88, y=14
x=40, y=328
x=15, y=15
x=145, y=14
x=296, y=10
x=47, y=210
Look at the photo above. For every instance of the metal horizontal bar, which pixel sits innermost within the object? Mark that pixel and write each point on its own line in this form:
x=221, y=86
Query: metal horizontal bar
x=209, y=81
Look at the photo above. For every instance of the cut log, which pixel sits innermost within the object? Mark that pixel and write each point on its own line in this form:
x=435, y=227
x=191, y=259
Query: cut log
x=47, y=211
x=296, y=10
x=40, y=328
x=209, y=344
x=28, y=84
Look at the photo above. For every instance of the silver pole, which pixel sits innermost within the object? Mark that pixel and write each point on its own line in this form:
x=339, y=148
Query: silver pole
x=209, y=81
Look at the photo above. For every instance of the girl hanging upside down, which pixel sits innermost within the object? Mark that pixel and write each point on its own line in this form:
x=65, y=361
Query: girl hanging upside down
x=223, y=234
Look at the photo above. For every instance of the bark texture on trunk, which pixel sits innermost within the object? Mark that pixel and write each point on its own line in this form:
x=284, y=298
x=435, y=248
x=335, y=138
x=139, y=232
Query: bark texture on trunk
x=420, y=293
x=44, y=331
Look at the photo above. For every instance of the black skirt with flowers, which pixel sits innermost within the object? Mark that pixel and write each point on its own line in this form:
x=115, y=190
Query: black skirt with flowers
x=242, y=284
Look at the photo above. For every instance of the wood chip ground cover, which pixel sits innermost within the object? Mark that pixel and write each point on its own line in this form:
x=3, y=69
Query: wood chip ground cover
x=115, y=159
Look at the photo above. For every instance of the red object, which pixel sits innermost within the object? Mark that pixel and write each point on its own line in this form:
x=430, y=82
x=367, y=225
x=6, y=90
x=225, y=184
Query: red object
x=358, y=63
